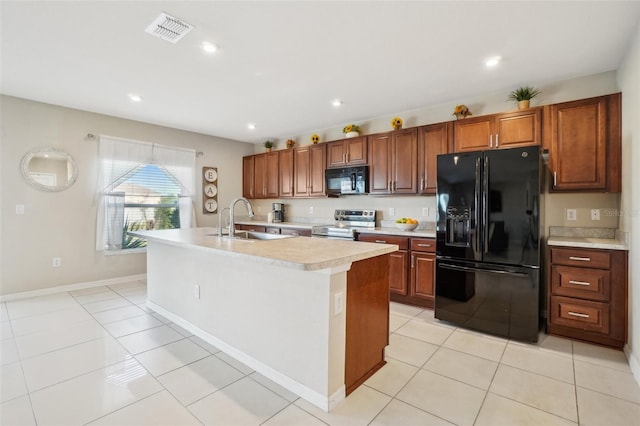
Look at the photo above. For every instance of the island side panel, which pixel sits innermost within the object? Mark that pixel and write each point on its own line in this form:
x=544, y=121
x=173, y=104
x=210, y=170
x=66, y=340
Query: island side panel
x=280, y=317
x=367, y=319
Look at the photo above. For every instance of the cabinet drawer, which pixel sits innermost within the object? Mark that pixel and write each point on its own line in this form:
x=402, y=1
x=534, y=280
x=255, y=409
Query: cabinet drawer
x=253, y=228
x=423, y=244
x=585, y=283
x=580, y=314
x=402, y=242
x=581, y=258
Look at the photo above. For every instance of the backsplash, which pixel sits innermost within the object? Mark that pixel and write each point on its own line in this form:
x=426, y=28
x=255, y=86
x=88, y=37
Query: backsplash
x=579, y=232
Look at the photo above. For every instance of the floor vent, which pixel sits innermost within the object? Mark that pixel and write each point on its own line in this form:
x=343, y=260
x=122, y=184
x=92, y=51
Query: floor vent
x=168, y=28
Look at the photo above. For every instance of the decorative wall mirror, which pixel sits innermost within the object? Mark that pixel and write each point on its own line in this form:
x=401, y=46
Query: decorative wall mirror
x=49, y=169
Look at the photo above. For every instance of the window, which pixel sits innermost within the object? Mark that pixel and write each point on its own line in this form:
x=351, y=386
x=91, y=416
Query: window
x=144, y=186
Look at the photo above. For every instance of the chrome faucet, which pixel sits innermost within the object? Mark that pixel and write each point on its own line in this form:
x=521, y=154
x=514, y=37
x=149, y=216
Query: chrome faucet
x=220, y=233
x=232, y=224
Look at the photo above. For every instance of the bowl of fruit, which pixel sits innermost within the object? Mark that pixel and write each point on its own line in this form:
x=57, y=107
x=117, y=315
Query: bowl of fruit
x=407, y=224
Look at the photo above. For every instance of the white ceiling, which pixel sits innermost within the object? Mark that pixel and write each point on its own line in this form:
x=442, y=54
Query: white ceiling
x=280, y=64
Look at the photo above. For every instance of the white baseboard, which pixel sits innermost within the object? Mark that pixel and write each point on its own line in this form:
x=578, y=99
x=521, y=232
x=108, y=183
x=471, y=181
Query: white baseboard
x=633, y=363
x=323, y=402
x=70, y=287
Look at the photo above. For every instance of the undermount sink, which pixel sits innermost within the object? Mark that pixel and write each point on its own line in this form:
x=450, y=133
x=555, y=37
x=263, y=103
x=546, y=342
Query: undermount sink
x=257, y=236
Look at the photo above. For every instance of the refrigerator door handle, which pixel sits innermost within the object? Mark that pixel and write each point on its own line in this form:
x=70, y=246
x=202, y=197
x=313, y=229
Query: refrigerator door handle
x=477, y=205
x=491, y=271
x=485, y=205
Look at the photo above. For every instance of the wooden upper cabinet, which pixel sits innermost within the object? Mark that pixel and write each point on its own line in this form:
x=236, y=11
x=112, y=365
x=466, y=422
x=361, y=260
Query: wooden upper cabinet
x=260, y=175
x=286, y=173
x=513, y=129
x=309, y=163
x=248, y=176
x=317, y=164
x=347, y=152
x=433, y=140
x=393, y=168
x=585, y=145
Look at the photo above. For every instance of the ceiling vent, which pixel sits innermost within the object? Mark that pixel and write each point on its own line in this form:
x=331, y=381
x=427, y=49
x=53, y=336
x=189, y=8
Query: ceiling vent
x=168, y=28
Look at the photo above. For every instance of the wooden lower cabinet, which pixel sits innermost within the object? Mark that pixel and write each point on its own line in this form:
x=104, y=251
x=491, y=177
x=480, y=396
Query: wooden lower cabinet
x=411, y=269
x=367, y=328
x=588, y=295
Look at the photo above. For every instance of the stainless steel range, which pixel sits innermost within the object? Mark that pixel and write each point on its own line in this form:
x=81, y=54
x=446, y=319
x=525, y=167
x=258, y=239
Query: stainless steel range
x=347, y=223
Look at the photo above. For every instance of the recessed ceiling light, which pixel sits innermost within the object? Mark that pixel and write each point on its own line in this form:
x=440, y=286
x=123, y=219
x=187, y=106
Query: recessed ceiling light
x=134, y=97
x=209, y=47
x=251, y=126
x=493, y=61
x=336, y=102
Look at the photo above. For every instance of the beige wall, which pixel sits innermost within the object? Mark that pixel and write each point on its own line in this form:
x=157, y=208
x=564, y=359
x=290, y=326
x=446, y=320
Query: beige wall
x=629, y=82
x=556, y=204
x=62, y=224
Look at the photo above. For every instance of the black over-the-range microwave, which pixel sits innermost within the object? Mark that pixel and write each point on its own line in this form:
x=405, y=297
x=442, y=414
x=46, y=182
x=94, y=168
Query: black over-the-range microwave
x=347, y=181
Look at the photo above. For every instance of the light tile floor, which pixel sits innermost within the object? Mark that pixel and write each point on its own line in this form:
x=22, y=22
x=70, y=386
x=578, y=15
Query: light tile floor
x=100, y=356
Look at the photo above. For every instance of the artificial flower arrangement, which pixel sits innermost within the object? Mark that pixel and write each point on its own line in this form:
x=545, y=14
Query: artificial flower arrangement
x=290, y=143
x=315, y=138
x=396, y=123
x=351, y=128
x=461, y=111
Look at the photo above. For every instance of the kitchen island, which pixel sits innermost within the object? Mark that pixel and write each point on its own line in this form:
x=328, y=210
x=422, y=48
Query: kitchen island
x=310, y=314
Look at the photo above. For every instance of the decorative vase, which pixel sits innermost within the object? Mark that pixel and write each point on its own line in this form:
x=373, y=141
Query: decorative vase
x=460, y=116
x=351, y=134
x=523, y=104
x=397, y=127
x=268, y=149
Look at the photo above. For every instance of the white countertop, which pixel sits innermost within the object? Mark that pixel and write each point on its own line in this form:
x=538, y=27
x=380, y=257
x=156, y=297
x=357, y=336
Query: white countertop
x=299, y=225
x=422, y=233
x=596, y=243
x=302, y=253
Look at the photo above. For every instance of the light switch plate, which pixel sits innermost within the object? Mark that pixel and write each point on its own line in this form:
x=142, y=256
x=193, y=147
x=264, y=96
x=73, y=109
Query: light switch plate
x=425, y=211
x=392, y=211
x=572, y=214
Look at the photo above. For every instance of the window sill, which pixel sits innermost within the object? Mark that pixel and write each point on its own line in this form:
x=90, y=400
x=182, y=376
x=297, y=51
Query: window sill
x=125, y=251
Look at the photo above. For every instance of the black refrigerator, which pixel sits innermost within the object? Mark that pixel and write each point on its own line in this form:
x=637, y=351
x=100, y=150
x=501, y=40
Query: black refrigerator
x=488, y=241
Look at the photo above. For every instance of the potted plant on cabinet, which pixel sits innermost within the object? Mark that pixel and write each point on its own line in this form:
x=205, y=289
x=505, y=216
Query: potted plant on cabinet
x=351, y=130
x=523, y=95
x=268, y=145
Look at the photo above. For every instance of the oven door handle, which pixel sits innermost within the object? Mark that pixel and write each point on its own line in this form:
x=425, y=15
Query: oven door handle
x=491, y=271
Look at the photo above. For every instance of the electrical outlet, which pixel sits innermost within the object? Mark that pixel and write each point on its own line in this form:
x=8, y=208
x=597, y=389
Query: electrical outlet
x=19, y=208
x=310, y=209
x=595, y=214
x=425, y=211
x=56, y=262
x=196, y=291
x=392, y=211
x=338, y=303
x=572, y=214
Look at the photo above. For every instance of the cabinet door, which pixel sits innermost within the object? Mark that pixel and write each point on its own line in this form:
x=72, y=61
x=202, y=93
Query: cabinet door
x=301, y=172
x=473, y=134
x=356, y=152
x=248, y=176
x=398, y=266
x=404, y=152
x=379, y=173
x=286, y=173
x=317, y=165
x=259, y=176
x=520, y=128
x=433, y=140
x=579, y=145
x=423, y=275
x=336, y=154
x=272, y=165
